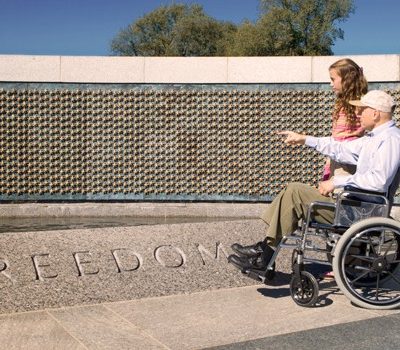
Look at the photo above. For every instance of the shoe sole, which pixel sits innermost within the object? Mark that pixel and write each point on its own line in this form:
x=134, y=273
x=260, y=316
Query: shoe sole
x=247, y=269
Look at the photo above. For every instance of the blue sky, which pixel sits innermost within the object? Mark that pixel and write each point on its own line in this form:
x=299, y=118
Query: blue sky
x=86, y=27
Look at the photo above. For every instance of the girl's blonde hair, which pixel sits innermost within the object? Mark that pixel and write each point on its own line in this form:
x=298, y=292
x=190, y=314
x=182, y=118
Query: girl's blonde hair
x=354, y=85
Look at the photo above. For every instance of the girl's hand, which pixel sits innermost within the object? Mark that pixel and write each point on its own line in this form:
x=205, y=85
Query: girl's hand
x=293, y=138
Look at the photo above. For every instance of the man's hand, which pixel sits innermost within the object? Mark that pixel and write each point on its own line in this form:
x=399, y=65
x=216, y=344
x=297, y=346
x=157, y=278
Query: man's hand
x=326, y=187
x=293, y=138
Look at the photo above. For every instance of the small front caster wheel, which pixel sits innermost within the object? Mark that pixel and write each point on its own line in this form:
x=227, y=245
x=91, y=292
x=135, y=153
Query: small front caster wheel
x=304, y=289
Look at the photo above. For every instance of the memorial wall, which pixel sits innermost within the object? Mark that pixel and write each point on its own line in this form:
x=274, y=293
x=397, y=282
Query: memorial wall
x=159, y=141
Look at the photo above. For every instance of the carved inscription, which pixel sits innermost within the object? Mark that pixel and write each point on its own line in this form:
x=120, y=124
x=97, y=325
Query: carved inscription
x=4, y=264
x=170, y=256
x=84, y=258
x=126, y=260
x=203, y=251
x=40, y=265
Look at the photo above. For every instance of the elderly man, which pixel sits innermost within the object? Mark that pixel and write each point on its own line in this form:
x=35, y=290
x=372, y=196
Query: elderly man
x=376, y=155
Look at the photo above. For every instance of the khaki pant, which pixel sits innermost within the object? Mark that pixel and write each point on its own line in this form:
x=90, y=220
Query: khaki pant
x=290, y=206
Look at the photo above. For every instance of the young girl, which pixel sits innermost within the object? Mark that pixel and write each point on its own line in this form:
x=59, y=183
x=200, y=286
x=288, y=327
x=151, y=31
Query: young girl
x=348, y=83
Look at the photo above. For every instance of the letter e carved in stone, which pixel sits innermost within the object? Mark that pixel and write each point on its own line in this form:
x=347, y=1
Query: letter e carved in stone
x=79, y=263
x=39, y=265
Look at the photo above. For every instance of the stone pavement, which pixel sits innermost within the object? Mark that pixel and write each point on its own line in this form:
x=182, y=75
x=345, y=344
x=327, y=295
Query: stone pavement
x=164, y=287
x=251, y=317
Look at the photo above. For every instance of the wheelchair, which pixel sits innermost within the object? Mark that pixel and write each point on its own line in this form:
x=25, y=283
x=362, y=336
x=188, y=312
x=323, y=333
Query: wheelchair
x=362, y=245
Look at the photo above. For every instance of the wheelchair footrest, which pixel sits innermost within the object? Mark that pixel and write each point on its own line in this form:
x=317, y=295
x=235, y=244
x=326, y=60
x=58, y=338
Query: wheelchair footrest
x=256, y=275
x=260, y=275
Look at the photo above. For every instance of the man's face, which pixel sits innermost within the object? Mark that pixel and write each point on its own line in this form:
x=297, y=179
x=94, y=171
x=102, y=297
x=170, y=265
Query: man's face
x=367, y=117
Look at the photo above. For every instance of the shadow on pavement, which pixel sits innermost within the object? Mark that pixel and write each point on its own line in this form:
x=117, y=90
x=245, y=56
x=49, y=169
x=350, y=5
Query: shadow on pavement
x=327, y=288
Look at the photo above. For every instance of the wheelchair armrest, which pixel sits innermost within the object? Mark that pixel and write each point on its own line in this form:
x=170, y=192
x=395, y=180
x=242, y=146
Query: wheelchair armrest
x=322, y=204
x=349, y=188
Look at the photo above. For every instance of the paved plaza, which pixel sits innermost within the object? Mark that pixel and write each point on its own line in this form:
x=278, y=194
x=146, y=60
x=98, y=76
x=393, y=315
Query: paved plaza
x=164, y=286
x=251, y=317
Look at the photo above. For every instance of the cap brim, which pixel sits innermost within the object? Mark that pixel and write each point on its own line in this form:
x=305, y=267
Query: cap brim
x=357, y=103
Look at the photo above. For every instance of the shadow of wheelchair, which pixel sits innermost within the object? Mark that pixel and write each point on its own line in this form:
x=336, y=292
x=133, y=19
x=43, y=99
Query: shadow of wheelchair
x=327, y=288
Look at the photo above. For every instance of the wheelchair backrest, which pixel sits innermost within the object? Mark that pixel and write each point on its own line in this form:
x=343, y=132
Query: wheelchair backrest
x=394, y=186
x=354, y=206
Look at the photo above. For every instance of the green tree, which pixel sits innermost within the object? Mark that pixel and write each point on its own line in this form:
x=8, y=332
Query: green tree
x=302, y=27
x=200, y=35
x=176, y=30
x=285, y=28
x=247, y=41
x=292, y=27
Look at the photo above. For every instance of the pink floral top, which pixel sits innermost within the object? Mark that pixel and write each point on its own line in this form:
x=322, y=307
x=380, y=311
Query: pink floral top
x=342, y=131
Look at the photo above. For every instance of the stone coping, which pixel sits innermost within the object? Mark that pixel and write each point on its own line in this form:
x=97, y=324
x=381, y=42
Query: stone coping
x=201, y=70
x=140, y=209
x=137, y=209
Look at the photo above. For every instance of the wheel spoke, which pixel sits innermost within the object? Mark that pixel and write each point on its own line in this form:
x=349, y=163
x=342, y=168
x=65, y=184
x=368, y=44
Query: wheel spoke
x=390, y=246
x=394, y=277
x=368, y=262
x=362, y=268
x=363, y=257
x=359, y=277
x=372, y=246
x=377, y=287
x=304, y=290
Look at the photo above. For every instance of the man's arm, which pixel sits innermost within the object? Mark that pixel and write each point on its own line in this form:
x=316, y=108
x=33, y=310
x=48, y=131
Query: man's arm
x=342, y=152
x=379, y=172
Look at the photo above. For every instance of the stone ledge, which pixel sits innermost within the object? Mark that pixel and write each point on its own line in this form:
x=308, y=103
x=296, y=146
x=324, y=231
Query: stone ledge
x=140, y=209
x=137, y=209
x=63, y=268
x=196, y=70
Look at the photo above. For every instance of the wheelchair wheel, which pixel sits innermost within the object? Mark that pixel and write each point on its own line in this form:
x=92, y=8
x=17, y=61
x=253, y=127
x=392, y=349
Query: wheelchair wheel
x=304, y=290
x=366, y=263
x=361, y=248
